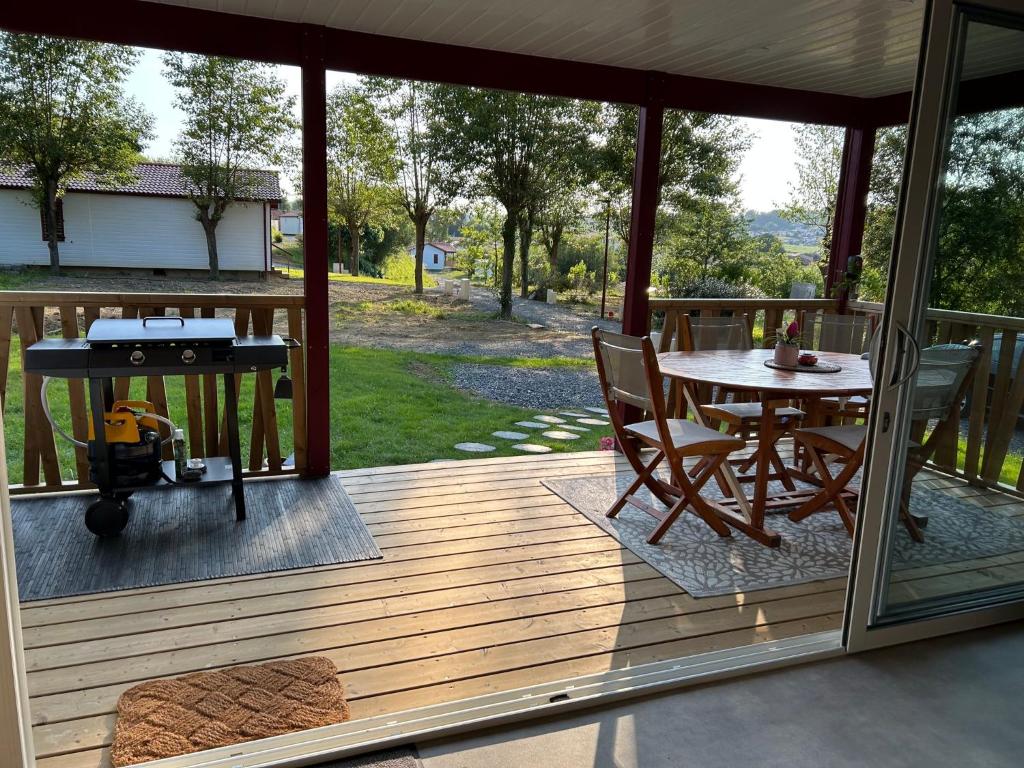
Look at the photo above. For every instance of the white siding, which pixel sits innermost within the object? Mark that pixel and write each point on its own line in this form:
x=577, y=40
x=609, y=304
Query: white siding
x=108, y=230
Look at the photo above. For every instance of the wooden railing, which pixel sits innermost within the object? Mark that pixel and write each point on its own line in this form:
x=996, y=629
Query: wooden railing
x=764, y=315
x=27, y=316
x=984, y=453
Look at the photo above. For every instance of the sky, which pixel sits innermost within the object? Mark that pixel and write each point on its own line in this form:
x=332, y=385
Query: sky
x=765, y=173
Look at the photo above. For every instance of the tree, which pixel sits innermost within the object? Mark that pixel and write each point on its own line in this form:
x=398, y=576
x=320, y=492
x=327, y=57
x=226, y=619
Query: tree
x=506, y=138
x=481, y=239
x=700, y=153
x=561, y=211
x=568, y=173
x=819, y=153
x=362, y=165
x=880, y=222
x=64, y=116
x=709, y=240
x=977, y=264
x=237, y=118
x=428, y=178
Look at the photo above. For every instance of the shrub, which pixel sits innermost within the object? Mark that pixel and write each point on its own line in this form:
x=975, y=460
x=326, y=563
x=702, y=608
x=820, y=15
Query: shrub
x=579, y=283
x=714, y=288
x=278, y=237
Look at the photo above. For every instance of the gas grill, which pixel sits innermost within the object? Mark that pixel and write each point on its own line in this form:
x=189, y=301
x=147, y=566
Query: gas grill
x=155, y=346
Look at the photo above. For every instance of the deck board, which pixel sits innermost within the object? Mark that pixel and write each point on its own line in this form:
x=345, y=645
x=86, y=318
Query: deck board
x=489, y=582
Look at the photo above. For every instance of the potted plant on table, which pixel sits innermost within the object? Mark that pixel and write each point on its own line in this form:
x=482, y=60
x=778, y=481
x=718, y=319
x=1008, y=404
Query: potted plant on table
x=787, y=344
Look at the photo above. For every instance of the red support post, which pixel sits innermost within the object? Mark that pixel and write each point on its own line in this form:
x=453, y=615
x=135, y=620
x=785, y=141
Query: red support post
x=851, y=208
x=646, y=170
x=636, y=304
x=314, y=204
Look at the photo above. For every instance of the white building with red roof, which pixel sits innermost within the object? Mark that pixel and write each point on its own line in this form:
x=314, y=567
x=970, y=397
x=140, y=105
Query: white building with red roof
x=148, y=223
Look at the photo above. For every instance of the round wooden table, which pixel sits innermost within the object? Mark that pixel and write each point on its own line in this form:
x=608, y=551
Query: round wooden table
x=744, y=370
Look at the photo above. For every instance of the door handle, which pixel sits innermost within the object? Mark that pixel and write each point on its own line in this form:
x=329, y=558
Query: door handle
x=907, y=349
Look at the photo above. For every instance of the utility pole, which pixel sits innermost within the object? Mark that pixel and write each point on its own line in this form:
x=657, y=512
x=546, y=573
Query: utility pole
x=607, y=230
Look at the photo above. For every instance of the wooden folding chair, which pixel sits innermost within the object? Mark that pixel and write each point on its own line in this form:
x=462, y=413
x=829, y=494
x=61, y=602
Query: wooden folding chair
x=848, y=334
x=742, y=419
x=943, y=377
x=629, y=374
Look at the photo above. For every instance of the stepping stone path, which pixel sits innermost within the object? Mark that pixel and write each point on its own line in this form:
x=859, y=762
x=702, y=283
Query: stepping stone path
x=532, y=448
x=576, y=428
x=532, y=424
x=593, y=422
x=510, y=435
x=599, y=411
x=549, y=419
x=572, y=414
x=561, y=434
x=474, y=447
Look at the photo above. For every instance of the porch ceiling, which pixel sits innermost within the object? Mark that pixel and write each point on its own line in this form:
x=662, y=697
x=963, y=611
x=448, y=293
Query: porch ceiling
x=851, y=47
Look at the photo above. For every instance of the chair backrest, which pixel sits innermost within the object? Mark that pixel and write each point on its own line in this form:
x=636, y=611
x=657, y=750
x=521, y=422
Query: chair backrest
x=942, y=378
x=701, y=333
x=620, y=368
x=829, y=332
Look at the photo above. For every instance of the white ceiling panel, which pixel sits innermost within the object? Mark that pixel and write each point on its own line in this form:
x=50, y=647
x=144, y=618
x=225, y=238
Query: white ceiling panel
x=853, y=47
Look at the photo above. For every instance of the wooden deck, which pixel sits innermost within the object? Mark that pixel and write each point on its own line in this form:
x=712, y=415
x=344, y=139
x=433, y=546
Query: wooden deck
x=489, y=582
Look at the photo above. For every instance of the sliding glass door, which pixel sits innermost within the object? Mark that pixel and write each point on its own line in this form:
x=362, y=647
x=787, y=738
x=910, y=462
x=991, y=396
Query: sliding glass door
x=941, y=539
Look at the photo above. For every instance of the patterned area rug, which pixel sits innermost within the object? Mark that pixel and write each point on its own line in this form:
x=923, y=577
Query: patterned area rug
x=166, y=718
x=815, y=549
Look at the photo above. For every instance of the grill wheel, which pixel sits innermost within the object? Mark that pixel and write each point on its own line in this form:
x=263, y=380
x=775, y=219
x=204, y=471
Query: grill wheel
x=107, y=517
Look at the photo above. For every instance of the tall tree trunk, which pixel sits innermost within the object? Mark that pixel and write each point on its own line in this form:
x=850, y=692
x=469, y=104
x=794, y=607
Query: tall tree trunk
x=210, y=229
x=508, y=258
x=421, y=239
x=525, y=238
x=341, y=249
x=556, y=243
x=50, y=212
x=353, y=251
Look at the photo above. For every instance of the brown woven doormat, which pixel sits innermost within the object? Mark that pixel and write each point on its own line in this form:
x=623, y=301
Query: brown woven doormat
x=164, y=718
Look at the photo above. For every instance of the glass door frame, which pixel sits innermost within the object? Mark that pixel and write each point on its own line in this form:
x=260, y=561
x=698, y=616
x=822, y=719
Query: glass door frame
x=935, y=91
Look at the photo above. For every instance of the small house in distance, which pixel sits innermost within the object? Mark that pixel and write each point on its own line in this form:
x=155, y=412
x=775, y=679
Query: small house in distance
x=436, y=256
x=288, y=223
x=147, y=223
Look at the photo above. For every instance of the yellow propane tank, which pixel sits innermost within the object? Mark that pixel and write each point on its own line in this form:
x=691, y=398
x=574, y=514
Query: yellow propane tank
x=122, y=422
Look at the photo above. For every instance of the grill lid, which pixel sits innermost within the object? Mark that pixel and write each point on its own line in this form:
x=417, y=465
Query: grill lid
x=157, y=330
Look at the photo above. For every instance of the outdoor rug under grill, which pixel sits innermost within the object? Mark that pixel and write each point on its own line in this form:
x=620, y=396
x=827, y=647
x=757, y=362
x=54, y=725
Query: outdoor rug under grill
x=186, y=534
x=816, y=548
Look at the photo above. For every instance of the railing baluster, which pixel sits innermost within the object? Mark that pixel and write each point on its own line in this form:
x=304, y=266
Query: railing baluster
x=297, y=368
x=6, y=324
x=76, y=396
x=979, y=405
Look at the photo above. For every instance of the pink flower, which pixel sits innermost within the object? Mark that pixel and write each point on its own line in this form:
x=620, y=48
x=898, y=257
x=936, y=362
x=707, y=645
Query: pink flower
x=793, y=330
x=607, y=443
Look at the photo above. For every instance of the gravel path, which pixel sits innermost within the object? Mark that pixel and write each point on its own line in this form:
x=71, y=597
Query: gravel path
x=541, y=388
x=557, y=317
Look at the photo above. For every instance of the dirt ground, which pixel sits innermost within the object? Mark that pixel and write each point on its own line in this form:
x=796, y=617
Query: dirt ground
x=361, y=314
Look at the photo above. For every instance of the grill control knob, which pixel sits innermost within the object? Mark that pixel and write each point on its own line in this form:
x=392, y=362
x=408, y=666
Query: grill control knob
x=137, y=357
x=188, y=357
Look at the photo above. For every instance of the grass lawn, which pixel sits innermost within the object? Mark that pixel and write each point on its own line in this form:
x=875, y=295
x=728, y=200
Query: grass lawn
x=288, y=250
x=17, y=279
x=296, y=273
x=388, y=407
x=401, y=407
